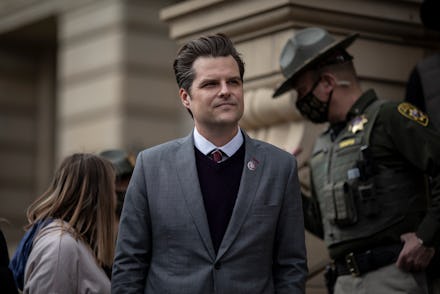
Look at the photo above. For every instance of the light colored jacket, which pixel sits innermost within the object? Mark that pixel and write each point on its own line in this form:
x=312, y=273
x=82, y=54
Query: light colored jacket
x=58, y=263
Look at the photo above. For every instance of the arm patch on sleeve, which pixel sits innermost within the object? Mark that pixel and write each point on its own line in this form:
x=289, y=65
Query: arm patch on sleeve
x=413, y=113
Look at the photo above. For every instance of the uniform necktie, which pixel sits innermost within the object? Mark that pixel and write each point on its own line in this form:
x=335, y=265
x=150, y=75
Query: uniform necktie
x=216, y=155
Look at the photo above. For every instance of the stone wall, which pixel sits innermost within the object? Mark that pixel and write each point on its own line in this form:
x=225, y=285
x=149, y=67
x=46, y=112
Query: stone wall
x=79, y=76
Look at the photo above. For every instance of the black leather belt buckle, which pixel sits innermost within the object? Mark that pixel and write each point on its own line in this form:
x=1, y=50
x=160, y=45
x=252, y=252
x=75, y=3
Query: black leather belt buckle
x=352, y=265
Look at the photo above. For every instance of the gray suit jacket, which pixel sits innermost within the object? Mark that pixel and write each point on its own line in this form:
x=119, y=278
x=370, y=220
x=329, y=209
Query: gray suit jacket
x=164, y=244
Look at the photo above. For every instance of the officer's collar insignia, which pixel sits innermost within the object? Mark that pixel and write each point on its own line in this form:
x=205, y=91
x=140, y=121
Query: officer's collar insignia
x=410, y=111
x=357, y=124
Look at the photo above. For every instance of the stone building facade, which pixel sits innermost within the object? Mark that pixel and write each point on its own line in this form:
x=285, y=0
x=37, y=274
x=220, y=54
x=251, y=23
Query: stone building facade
x=85, y=75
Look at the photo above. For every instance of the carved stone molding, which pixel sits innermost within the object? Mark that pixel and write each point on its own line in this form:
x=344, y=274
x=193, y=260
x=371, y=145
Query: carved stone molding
x=262, y=111
x=398, y=21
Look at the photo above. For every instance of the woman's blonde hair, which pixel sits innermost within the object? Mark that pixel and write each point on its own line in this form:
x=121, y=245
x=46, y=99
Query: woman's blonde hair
x=82, y=194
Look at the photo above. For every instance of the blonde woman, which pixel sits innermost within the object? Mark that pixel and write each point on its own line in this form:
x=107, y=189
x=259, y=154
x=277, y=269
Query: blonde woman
x=76, y=236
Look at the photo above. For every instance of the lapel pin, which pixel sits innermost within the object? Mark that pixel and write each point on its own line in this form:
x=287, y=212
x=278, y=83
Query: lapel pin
x=252, y=164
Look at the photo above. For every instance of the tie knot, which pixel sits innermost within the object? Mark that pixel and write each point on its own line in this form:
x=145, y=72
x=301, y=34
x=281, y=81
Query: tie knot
x=216, y=155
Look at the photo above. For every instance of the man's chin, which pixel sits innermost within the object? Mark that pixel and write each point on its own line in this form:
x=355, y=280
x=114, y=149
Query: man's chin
x=228, y=119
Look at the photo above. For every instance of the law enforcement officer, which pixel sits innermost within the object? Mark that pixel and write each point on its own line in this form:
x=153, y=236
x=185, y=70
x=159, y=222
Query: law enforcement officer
x=123, y=163
x=369, y=195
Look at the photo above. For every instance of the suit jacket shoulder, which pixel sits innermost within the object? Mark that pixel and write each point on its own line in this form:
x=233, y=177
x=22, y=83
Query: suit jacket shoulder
x=166, y=148
x=272, y=153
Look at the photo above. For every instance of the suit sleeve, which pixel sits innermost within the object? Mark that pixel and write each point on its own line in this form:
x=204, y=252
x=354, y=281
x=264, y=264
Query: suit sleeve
x=290, y=265
x=418, y=142
x=133, y=247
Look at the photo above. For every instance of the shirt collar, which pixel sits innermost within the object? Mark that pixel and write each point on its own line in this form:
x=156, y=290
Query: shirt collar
x=361, y=104
x=358, y=108
x=205, y=146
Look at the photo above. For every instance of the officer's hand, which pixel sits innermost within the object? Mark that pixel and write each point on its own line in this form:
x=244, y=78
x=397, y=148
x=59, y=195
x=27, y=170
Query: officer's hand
x=414, y=256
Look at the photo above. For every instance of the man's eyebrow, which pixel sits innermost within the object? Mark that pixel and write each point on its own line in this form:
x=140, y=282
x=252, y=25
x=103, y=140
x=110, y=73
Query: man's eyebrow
x=206, y=80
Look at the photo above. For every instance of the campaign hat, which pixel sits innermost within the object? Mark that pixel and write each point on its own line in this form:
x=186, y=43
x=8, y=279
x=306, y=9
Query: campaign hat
x=305, y=49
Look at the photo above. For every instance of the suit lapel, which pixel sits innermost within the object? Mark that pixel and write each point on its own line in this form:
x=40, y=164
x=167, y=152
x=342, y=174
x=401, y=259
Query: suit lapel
x=185, y=163
x=252, y=172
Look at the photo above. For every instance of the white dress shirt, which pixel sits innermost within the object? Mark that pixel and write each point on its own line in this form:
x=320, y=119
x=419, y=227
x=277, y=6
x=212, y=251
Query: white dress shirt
x=206, y=147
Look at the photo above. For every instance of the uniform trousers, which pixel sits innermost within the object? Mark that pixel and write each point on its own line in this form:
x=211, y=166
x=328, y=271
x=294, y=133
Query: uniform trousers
x=386, y=280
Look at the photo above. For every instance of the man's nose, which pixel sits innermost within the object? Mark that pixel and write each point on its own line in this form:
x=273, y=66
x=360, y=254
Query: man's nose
x=224, y=89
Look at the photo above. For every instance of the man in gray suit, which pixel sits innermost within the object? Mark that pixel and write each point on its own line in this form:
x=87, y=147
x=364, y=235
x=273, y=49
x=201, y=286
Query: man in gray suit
x=215, y=212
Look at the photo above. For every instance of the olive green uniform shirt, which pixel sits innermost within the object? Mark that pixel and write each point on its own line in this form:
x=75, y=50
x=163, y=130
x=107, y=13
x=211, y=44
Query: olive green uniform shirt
x=402, y=139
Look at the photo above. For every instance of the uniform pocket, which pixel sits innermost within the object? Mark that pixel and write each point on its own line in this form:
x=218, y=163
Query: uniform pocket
x=339, y=204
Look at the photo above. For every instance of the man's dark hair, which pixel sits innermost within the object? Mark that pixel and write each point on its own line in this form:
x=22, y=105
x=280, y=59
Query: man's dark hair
x=218, y=45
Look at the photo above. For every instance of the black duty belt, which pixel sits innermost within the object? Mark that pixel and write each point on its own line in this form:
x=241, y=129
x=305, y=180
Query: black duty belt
x=357, y=264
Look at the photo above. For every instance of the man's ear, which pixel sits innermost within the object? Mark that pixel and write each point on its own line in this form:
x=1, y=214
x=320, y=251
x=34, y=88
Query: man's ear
x=184, y=97
x=329, y=81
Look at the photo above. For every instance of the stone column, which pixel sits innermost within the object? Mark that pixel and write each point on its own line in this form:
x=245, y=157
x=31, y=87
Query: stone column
x=78, y=76
x=116, y=88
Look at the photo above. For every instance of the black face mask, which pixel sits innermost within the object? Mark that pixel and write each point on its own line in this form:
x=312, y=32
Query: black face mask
x=313, y=108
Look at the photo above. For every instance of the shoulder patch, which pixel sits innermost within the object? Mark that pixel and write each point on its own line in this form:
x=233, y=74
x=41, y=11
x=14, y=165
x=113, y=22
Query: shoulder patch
x=410, y=111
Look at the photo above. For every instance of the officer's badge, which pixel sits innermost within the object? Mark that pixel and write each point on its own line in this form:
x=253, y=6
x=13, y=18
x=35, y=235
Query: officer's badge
x=410, y=111
x=357, y=124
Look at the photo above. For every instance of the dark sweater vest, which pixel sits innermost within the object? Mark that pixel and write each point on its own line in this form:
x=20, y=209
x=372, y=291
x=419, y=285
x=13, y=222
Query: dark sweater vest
x=219, y=184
